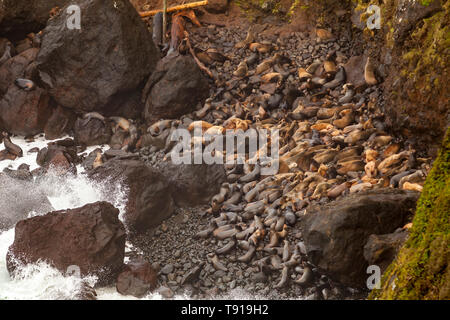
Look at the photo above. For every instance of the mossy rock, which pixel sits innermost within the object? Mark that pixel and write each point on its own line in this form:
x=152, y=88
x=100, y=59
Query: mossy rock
x=421, y=269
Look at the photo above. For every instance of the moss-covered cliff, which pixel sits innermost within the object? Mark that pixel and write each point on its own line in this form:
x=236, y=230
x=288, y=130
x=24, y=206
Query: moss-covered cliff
x=413, y=44
x=421, y=270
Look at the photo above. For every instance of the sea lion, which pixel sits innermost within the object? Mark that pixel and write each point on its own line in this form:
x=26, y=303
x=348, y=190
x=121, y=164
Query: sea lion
x=98, y=161
x=283, y=279
x=369, y=73
x=306, y=278
x=94, y=115
x=11, y=147
x=121, y=122
x=25, y=84
x=241, y=70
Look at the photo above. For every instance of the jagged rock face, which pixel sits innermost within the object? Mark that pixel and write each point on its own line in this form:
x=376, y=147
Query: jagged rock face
x=381, y=250
x=25, y=112
x=193, y=184
x=98, y=66
x=335, y=233
x=19, y=66
x=61, y=122
x=20, y=17
x=91, y=132
x=149, y=197
x=174, y=89
x=91, y=238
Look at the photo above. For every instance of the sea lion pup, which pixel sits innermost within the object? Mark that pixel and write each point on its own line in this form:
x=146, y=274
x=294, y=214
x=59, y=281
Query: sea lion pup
x=25, y=84
x=11, y=147
x=369, y=73
x=349, y=91
x=329, y=65
x=94, y=115
x=98, y=162
x=121, y=122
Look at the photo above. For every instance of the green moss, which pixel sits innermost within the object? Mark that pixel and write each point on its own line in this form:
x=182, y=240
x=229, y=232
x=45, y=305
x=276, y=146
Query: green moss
x=421, y=270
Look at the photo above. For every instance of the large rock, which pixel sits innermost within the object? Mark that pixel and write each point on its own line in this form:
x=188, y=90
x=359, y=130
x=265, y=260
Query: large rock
x=19, y=66
x=18, y=199
x=149, y=198
x=381, y=250
x=335, y=233
x=137, y=279
x=92, y=131
x=60, y=155
x=91, y=238
x=174, y=89
x=20, y=17
x=193, y=184
x=354, y=69
x=98, y=66
x=24, y=112
x=60, y=123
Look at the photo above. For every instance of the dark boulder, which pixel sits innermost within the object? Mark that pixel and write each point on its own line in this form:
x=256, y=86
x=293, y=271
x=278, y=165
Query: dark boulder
x=174, y=89
x=19, y=66
x=92, y=131
x=20, y=17
x=60, y=155
x=193, y=184
x=335, y=233
x=149, y=198
x=60, y=123
x=24, y=112
x=137, y=279
x=381, y=250
x=98, y=66
x=354, y=68
x=18, y=198
x=91, y=238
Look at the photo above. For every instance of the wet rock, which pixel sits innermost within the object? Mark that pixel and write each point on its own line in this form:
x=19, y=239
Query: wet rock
x=193, y=184
x=20, y=17
x=60, y=123
x=381, y=250
x=335, y=233
x=137, y=279
x=92, y=131
x=174, y=88
x=16, y=67
x=100, y=68
x=149, y=196
x=92, y=238
x=24, y=112
x=17, y=199
x=59, y=157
